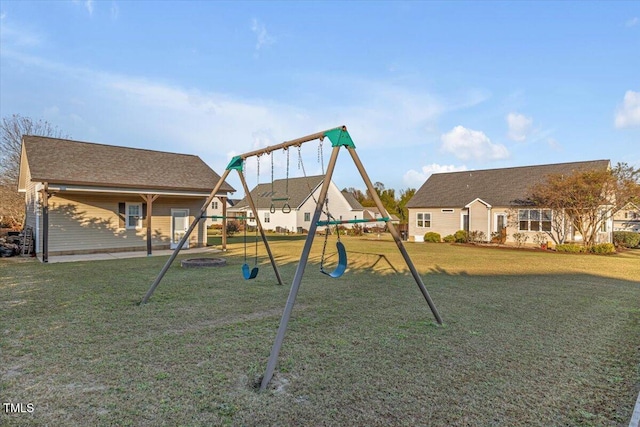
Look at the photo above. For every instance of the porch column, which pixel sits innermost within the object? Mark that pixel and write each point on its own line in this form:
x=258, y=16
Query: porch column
x=149, y=199
x=45, y=222
x=223, y=200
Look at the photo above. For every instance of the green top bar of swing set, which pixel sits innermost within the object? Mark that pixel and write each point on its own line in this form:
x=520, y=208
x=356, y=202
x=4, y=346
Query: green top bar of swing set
x=339, y=137
x=352, y=221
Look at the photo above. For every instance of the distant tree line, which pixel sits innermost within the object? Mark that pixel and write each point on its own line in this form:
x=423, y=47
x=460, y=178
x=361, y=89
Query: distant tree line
x=395, y=205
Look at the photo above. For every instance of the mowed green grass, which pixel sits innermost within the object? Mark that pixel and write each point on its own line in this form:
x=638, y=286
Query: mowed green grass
x=530, y=338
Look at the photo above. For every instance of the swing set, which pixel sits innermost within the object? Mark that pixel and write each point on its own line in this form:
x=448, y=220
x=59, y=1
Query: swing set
x=339, y=138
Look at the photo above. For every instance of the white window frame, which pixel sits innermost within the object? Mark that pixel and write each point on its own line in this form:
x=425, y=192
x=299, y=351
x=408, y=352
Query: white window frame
x=307, y=216
x=267, y=217
x=214, y=205
x=539, y=219
x=128, y=216
x=421, y=219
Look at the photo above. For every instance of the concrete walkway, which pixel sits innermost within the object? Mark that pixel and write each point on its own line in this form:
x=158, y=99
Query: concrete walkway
x=121, y=255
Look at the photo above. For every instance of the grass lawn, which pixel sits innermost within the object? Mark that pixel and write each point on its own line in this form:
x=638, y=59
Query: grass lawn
x=530, y=338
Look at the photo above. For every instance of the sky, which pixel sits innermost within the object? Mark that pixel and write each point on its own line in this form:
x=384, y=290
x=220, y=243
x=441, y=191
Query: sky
x=423, y=87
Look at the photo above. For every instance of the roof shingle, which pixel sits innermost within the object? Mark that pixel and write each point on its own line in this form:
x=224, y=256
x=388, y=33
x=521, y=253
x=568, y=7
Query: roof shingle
x=498, y=187
x=299, y=190
x=64, y=161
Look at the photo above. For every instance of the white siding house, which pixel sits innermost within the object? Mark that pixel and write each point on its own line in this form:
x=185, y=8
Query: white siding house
x=289, y=207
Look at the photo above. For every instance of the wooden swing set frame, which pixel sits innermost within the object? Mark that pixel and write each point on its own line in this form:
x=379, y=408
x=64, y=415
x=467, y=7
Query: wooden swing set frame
x=339, y=138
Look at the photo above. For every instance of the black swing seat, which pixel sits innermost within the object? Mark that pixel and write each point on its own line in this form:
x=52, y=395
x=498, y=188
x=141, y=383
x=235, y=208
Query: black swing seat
x=342, y=262
x=249, y=273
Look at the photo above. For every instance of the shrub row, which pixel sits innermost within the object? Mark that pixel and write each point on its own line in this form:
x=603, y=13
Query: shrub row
x=600, y=249
x=626, y=239
x=460, y=236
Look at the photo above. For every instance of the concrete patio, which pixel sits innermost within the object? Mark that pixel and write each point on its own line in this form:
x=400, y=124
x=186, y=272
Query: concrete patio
x=121, y=255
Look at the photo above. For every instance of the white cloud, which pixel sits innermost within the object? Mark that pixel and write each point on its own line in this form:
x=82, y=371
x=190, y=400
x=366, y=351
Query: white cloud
x=18, y=36
x=415, y=179
x=628, y=114
x=467, y=144
x=88, y=4
x=264, y=38
x=632, y=22
x=519, y=126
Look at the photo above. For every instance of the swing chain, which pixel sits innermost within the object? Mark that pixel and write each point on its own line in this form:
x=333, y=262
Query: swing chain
x=321, y=155
x=327, y=231
x=287, y=181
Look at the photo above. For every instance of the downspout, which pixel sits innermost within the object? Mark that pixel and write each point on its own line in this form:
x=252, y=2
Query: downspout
x=488, y=223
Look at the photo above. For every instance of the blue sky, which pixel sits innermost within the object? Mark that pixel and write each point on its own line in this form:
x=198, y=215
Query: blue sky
x=422, y=86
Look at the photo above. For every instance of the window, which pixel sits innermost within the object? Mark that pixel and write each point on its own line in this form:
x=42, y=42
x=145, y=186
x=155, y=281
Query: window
x=423, y=219
x=134, y=215
x=307, y=216
x=214, y=205
x=267, y=217
x=534, y=219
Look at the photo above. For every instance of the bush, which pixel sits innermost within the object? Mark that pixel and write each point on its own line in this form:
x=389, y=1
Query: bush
x=477, y=236
x=432, y=237
x=571, y=248
x=626, y=239
x=449, y=238
x=603, y=249
x=461, y=236
x=520, y=238
x=356, y=230
x=233, y=227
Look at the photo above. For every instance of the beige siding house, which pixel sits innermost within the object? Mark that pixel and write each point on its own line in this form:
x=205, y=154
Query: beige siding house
x=487, y=201
x=627, y=219
x=289, y=207
x=84, y=197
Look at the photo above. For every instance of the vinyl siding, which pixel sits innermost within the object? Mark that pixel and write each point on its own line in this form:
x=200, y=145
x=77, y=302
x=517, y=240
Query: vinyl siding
x=339, y=207
x=90, y=223
x=441, y=222
x=479, y=218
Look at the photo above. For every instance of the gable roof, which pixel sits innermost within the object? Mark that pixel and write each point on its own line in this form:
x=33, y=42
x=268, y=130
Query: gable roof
x=372, y=212
x=63, y=161
x=497, y=187
x=299, y=190
x=353, y=202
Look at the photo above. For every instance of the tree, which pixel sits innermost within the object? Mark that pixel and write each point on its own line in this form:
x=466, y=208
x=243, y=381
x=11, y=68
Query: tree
x=584, y=200
x=12, y=129
x=356, y=193
x=405, y=196
x=627, y=184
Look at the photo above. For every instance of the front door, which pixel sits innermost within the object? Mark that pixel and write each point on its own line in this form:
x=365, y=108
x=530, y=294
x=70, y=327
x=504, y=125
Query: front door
x=179, y=227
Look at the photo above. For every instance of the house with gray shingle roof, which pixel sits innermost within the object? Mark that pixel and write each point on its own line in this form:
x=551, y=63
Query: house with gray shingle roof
x=287, y=205
x=486, y=201
x=84, y=197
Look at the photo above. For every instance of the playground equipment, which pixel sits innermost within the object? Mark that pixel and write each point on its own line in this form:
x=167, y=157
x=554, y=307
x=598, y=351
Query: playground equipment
x=286, y=208
x=339, y=138
x=248, y=272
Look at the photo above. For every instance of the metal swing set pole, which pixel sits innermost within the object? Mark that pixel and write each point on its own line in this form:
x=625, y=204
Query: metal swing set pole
x=336, y=136
x=297, y=278
x=252, y=205
x=195, y=222
x=395, y=235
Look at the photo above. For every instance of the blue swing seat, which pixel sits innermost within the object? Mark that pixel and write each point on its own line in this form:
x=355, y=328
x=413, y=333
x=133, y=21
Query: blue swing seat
x=342, y=262
x=249, y=273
